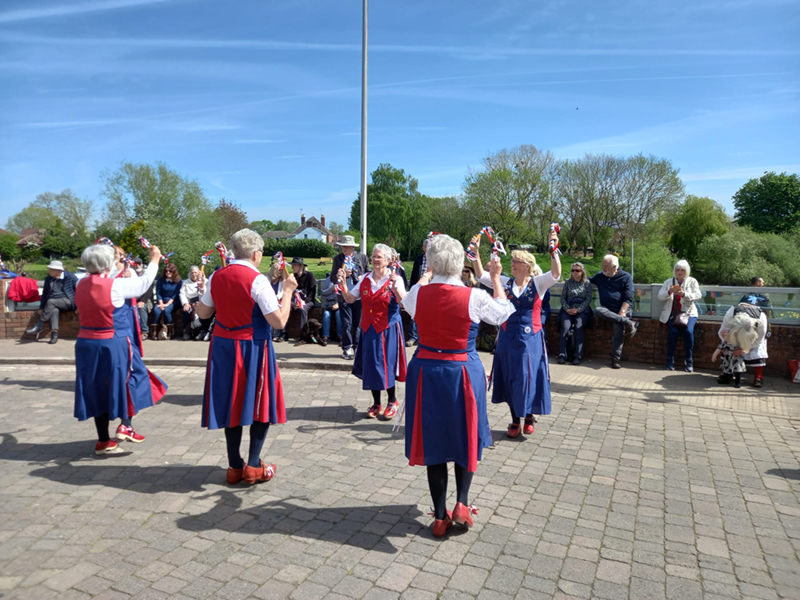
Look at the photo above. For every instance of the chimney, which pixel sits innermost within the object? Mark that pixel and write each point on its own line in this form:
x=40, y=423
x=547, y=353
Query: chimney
x=322, y=220
x=302, y=219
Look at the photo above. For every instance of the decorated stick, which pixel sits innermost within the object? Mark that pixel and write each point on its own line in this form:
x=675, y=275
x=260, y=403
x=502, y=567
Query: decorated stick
x=555, y=228
x=394, y=267
x=497, y=244
x=144, y=243
x=223, y=253
x=165, y=258
x=281, y=260
x=204, y=260
x=104, y=240
x=349, y=265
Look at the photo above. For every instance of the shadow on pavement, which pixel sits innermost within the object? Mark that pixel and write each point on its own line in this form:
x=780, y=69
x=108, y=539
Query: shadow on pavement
x=109, y=472
x=785, y=473
x=39, y=384
x=12, y=449
x=367, y=527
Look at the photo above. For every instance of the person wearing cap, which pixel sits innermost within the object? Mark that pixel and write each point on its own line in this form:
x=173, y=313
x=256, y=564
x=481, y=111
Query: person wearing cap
x=351, y=313
x=58, y=296
x=306, y=293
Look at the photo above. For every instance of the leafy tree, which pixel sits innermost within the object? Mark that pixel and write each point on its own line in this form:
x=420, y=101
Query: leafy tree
x=129, y=238
x=262, y=226
x=697, y=219
x=288, y=226
x=31, y=217
x=8, y=246
x=389, y=199
x=735, y=257
x=230, y=217
x=513, y=191
x=75, y=213
x=770, y=204
x=61, y=241
x=653, y=262
x=336, y=228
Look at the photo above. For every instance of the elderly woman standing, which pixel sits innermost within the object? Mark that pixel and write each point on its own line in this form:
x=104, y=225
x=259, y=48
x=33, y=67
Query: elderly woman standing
x=520, y=372
x=243, y=384
x=576, y=311
x=446, y=389
x=111, y=379
x=381, y=356
x=679, y=293
x=192, y=289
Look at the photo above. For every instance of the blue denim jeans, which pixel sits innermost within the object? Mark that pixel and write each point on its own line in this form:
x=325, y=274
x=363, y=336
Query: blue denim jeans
x=326, y=323
x=156, y=314
x=688, y=339
x=412, y=332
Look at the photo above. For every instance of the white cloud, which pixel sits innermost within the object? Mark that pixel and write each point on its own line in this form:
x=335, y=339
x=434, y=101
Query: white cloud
x=64, y=9
x=739, y=173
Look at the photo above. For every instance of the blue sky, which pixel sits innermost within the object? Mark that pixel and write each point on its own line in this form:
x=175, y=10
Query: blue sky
x=259, y=100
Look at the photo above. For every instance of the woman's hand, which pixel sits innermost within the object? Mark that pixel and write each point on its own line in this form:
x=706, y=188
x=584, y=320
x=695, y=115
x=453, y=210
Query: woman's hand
x=553, y=237
x=289, y=285
x=495, y=269
x=674, y=289
x=739, y=352
x=155, y=254
x=187, y=307
x=425, y=279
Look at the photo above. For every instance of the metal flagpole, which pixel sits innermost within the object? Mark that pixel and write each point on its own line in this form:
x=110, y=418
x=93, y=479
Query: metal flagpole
x=364, y=130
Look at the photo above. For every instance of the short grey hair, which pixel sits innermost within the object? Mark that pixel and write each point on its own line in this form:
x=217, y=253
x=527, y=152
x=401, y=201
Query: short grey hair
x=245, y=242
x=99, y=258
x=613, y=258
x=388, y=253
x=194, y=268
x=445, y=256
x=682, y=264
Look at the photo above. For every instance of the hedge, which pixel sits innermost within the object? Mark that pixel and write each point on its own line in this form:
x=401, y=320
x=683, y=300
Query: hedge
x=304, y=248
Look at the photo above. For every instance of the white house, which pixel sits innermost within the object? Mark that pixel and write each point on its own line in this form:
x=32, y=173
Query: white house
x=312, y=229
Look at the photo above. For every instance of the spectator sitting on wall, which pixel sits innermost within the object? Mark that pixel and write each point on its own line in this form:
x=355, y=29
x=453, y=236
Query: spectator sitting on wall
x=615, y=289
x=306, y=293
x=276, y=275
x=167, y=292
x=330, y=308
x=58, y=296
x=191, y=291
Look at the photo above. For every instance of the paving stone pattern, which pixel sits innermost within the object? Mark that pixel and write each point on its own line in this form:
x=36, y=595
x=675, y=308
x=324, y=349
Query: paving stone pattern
x=627, y=491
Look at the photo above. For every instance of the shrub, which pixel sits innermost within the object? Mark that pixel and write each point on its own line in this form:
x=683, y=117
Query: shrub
x=733, y=258
x=653, y=262
x=304, y=248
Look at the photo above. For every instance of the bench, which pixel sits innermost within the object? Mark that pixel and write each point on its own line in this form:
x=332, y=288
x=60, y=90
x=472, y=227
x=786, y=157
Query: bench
x=325, y=260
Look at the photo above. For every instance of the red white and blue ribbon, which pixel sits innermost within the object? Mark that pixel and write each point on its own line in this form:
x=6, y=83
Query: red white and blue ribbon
x=105, y=241
x=144, y=243
x=206, y=258
x=223, y=253
x=165, y=258
x=349, y=265
x=555, y=228
x=394, y=268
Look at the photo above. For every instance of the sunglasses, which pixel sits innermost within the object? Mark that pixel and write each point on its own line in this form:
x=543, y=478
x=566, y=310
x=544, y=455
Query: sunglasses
x=577, y=270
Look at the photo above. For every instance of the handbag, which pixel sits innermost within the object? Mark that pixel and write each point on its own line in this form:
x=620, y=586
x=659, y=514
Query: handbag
x=681, y=320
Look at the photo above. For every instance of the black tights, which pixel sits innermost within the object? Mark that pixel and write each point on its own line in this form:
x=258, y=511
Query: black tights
x=233, y=437
x=515, y=418
x=376, y=396
x=101, y=424
x=437, y=481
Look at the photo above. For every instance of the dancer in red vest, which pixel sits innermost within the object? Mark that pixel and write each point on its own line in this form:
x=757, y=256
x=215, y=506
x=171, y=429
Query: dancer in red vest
x=381, y=356
x=112, y=381
x=520, y=371
x=446, y=418
x=243, y=384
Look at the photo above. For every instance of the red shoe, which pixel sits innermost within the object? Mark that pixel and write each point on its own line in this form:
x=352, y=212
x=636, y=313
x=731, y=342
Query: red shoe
x=528, y=429
x=125, y=433
x=373, y=411
x=109, y=447
x=441, y=526
x=235, y=476
x=391, y=410
x=461, y=515
x=513, y=430
x=259, y=474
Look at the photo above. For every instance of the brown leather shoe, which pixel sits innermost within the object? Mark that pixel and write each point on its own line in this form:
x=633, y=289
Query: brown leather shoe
x=259, y=474
x=235, y=476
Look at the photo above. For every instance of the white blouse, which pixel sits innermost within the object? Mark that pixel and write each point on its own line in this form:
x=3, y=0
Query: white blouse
x=482, y=307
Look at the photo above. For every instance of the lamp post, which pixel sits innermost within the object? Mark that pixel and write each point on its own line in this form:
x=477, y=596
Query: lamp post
x=364, y=128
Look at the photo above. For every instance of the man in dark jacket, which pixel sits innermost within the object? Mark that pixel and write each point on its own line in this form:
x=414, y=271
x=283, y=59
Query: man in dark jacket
x=305, y=294
x=58, y=296
x=351, y=313
x=615, y=289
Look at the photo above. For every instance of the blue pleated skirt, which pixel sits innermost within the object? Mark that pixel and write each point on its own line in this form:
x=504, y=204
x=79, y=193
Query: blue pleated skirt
x=381, y=357
x=521, y=372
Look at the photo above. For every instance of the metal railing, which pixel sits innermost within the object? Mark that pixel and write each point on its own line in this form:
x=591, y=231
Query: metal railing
x=783, y=303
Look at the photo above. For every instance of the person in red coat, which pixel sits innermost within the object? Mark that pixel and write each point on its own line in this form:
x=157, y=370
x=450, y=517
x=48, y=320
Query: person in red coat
x=243, y=383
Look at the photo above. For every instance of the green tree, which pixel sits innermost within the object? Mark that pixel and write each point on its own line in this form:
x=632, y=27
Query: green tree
x=697, y=219
x=75, y=212
x=8, y=246
x=31, y=217
x=389, y=198
x=288, y=226
x=262, y=226
x=61, y=241
x=336, y=228
x=770, y=204
x=653, y=262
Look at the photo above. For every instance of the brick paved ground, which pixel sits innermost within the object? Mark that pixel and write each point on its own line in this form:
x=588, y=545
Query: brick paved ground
x=636, y=487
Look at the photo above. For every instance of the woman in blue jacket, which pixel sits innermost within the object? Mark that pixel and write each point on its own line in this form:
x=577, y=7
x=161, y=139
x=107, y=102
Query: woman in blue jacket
x=167, y=291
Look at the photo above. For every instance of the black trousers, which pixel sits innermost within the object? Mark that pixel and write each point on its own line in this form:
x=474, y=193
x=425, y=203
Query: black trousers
x=351, y=318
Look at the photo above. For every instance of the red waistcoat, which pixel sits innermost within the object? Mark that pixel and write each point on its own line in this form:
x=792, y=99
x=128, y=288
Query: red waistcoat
x=231, y=291
x=375, y=306
x=443, y=322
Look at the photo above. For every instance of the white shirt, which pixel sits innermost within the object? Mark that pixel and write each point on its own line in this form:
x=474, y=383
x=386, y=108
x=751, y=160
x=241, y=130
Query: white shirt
x=261, y=291
x=125, y=288
x=376, y=285
x=482, y=307
x=542, y=283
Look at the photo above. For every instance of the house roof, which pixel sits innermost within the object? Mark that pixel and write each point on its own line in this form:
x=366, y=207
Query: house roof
x=30, y=234
x=277, y=235
x=4, y=232
x=312, y=223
